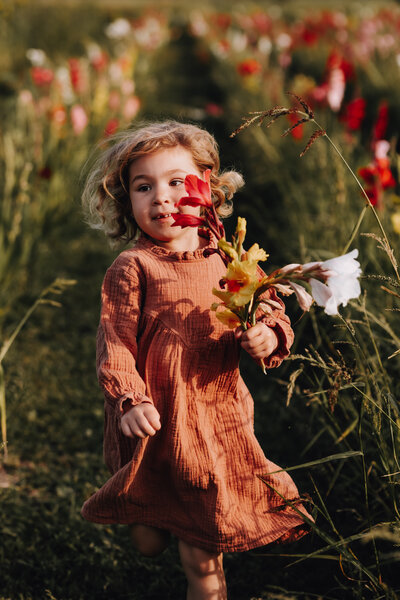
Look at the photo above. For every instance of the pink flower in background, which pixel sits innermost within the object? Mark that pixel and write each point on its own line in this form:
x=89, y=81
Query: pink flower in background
x=99, y=61
x=114, y=100
x=336, y=88
x=58, y=115
x=131, y=107
x=42, y=76
x=79, y=119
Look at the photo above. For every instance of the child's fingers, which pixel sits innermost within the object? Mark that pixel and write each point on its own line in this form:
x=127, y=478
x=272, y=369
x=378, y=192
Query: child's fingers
x=153, y=416
x=142, y=420
x=238, y=333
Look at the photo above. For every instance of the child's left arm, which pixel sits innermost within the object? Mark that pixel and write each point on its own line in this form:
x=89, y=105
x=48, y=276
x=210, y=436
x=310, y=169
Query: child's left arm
x=271, y=337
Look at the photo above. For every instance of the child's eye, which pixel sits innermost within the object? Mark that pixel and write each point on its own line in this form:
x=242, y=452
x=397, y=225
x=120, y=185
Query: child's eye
x=143, y=188
x=175, y=182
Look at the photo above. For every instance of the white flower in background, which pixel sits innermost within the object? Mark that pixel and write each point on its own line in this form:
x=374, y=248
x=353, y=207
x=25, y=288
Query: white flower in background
x=36, y=56
x=341, y=275
x=336, y=89
x=264, y=44
x=118, y=29
x=64, y=79
x=283, y=41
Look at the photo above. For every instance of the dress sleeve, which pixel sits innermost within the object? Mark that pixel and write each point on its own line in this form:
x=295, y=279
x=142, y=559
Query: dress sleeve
x=280, y=323
x=122, y=293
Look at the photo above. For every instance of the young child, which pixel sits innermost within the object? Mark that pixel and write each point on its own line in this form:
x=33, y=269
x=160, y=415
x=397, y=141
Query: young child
x=179, y=435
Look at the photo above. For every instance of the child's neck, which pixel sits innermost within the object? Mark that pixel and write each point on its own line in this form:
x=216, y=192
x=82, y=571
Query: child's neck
x=190, y=245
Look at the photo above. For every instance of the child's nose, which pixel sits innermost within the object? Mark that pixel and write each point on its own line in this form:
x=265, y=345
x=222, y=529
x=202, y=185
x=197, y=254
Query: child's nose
x=162, y=195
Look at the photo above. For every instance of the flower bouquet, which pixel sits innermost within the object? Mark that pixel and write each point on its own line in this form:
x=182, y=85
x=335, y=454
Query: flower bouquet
x=242, y=289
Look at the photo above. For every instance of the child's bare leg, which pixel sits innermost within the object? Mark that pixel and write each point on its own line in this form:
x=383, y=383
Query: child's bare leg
x=150, y=541
x=204, y=572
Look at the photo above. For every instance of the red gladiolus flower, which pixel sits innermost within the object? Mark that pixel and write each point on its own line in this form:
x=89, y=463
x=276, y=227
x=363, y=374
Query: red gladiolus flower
x=45, y=173
x=182, y=220
x=377, y=174
x=247, y=67
x=199, y=191
x=380, y=127
x=75, y=74
x=297, y=132
x=41, y=76
x=354, y=114
x=111, y=127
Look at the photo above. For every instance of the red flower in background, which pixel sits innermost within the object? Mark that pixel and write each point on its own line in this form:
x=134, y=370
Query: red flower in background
x=215, y=110
x=297, y=132
x=336, y=61
x=111, y=127
x=382, y=121
x=354, y=114
x=45, y=173
x=75, y=74
x=377, y=175
x=250, y=66
x=41, y=76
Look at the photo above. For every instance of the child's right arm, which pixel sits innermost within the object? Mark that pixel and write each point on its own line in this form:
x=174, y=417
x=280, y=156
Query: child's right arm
x=124, y=389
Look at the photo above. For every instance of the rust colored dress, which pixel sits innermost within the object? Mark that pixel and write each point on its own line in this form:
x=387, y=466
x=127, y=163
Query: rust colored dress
x=197, y=477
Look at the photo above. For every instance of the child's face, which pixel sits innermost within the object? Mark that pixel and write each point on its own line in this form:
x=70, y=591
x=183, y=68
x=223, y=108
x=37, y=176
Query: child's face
x=156, y=183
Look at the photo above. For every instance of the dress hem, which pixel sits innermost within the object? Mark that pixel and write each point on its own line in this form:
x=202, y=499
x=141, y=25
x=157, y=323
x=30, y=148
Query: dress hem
x=289, y=536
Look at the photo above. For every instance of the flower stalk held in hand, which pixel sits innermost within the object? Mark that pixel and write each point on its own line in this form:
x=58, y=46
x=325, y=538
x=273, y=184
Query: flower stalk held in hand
x=243, y=289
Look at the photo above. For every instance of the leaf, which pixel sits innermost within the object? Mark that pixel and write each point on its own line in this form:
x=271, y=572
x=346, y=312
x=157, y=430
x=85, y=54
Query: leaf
x=313, y=463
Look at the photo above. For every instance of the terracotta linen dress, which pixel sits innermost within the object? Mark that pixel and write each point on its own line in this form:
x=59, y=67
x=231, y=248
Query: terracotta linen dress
x=197, y=477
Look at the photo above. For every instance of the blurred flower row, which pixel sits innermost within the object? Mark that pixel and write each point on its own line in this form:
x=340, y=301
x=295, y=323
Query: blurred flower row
x=97, y=88
x=340, y=63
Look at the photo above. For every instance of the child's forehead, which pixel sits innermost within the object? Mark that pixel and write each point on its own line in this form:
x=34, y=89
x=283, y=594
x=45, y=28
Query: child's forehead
x=176, y=158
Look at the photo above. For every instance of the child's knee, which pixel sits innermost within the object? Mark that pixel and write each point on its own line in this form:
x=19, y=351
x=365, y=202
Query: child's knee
x=149, y=541
x=199, y=563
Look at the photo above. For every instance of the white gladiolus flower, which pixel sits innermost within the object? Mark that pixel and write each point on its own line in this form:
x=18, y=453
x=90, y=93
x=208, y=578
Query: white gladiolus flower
x=118, y=29
x=341, y=285
x=36, y=56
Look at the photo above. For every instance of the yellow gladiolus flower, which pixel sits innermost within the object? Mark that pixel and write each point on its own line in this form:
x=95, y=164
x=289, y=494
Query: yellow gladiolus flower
x=228, y=318
x=242, y=281
x=255, y=253
x=227, y=248
x=241, y=229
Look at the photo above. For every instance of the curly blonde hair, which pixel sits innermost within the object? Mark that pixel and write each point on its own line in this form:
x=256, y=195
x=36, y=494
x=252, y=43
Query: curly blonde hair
x=105, y=197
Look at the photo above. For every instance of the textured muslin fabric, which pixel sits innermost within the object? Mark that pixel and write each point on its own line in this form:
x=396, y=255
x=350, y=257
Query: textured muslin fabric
x=199, y=475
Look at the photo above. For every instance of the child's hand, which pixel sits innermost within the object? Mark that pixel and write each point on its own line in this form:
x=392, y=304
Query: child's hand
x=259, y=341
x=141, y=420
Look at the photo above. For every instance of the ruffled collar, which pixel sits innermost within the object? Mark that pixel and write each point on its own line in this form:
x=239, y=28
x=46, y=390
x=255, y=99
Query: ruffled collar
x=146, y=243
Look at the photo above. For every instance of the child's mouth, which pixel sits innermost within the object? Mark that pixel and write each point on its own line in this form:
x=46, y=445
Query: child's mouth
x=162, y=217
